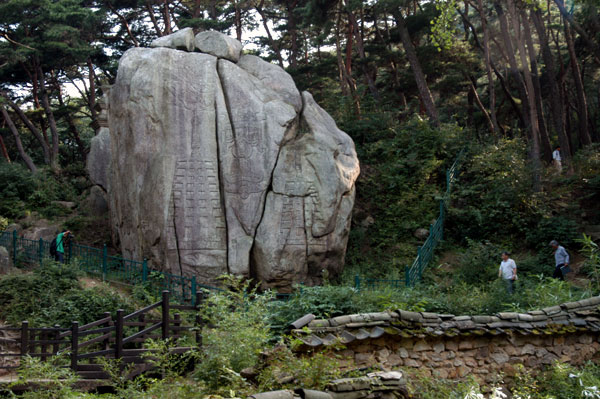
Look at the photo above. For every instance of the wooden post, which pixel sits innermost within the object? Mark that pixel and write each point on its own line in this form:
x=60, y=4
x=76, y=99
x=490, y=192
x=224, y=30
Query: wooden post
x=74, y=344
x=44, y=335
x=104, y=262
x=56, y=337
x=41, y=251
x=165, y=314
x=106, y=342
x=176, y=323
x=119, y=335
x=24, y=337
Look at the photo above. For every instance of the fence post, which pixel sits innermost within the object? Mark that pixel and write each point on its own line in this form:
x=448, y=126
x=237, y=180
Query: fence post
x=407, y=276
x=56, y=337
x=14, y=242
x=199, y=321
x=70, y=251
x=448, y=181
x=165, y=314
x=104, y=262
x=420, y=261
x=119, y=334
x=74, y=344
x=357, y=282
x=194, y=289
x=442, y=219
x=41, y=251
x=144, y=270
x=24, y=337
x=106, y=342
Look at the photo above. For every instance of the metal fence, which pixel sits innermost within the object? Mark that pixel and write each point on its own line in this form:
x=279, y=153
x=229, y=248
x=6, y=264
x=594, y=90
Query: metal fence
x=97, y=262
x=414, y=272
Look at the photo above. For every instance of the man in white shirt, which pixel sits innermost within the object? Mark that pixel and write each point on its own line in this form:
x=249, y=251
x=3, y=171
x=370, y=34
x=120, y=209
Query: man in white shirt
x=508, y=271
x=557, y=160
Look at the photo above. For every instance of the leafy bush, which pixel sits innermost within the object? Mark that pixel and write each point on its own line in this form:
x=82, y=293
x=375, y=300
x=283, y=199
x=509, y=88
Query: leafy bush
x=17, y=186
x=52, y=295
x=493, y=197
x=558, y=228
x=479, y=263
x=237, y=331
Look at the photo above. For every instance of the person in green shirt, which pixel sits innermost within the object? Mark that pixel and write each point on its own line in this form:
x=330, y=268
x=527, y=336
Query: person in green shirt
x=62, y=239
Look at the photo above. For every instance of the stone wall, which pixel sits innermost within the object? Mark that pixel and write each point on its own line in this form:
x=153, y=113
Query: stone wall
x=449, y=346
x=377, y=385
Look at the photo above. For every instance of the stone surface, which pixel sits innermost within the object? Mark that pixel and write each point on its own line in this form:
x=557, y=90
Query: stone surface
x=217, y=167
x=99, y=159
x=182, y=40
x=96, y=202
x=219, y=45
x=5, y=260
x=421, y=233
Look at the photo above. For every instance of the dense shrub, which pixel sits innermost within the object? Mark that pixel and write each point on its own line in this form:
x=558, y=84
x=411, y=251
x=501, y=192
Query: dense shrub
x=20, y=191
x=236, y=333
x=52, y=295
x=479, y=263
x=559, y=228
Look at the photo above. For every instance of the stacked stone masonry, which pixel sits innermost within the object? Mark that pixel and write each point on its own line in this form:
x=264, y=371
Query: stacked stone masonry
x=377, y=385
x=449, y=346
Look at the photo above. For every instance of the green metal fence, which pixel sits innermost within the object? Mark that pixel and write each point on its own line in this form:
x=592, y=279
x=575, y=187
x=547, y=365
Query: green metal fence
x=97, y=262
x=414, y=272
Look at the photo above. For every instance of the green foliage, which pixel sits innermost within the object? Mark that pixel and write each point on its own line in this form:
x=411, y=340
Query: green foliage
x=591, y=266
x=23, y=191
x=493, y=197
x=287, y=370
x=399, y=189
x=559, y=228
x=52, y=295
x=237, y=331
x=53, y=379
x=479, y=263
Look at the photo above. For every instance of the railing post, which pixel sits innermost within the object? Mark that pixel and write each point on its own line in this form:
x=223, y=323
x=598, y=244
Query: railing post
x=56, y=337
x=448, y=181
x=407, y=276
x=74, y=344
x=419, y=261
x=165, y=314
x=106, y=342
x=104, y=262
x=119, y=334
x=24, y=337
x=144, y=270
x=194, y=289
x=14, y=242
x=41, y=251
x=70, y=251
x=357, y=282
x=199, y=321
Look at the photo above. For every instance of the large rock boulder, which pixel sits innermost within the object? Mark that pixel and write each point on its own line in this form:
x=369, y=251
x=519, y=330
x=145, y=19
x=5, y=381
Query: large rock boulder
x=223, y=167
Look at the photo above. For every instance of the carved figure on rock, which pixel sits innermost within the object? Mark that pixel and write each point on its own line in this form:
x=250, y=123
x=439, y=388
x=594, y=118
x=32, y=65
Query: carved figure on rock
x=218, y=164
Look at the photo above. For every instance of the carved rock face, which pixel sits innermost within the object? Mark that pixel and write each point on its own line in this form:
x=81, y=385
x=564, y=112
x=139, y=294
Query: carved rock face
x=220, y=167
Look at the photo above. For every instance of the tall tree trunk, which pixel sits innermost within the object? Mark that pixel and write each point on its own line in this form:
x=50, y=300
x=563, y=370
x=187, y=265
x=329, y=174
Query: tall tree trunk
x=513, y=65
x=73, y=128
x=238, y=21
x=537, y=87
x=92, y=94
x=361, y=53
x=51, y=121
x=159, y=32
x=594, y=48
x=535, y=132
x=488, y=66
x=347, y=84
x=167, y=17
x=3, y=149
x=26, y=158
x=272, y=42
x=480, y=105
x=125, y=25
x=293, y=30
x=34, y=130
x=556, y=107
x=415, y=65
x=582, y=112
